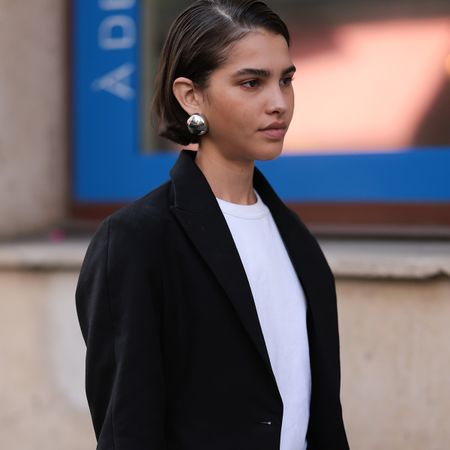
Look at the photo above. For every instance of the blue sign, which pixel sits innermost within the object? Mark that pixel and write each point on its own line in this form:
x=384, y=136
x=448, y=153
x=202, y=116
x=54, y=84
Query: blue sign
x=109, y=165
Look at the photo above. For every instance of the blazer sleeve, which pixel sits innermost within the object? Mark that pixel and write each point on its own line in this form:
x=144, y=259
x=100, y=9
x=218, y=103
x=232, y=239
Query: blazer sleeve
x=118, y=300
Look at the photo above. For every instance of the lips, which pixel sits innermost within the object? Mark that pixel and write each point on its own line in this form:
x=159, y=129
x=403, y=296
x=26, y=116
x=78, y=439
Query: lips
x=274, y=131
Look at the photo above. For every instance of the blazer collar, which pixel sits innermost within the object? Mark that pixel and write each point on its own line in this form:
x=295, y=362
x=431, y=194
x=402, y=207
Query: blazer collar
x=193, y=193
x=195, y=207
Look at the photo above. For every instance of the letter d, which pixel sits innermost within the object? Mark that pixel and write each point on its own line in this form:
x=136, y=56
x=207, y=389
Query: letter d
x=116, y=33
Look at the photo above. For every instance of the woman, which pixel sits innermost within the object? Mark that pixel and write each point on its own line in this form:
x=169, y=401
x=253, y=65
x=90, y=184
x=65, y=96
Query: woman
x=207, y=307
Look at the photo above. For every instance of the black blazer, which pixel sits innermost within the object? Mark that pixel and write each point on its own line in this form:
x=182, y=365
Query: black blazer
x=176, y=359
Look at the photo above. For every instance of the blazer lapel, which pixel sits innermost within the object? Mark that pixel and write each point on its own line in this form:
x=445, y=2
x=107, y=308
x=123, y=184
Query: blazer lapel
x=195, y=207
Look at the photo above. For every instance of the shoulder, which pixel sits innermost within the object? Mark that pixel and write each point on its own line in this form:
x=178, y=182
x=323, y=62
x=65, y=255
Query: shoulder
x=137, y=229
x=150, y=212
x=314, y=247
x=145, y=219
x=300, y=224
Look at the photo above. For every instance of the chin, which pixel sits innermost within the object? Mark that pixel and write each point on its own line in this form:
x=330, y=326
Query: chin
x=269, y=152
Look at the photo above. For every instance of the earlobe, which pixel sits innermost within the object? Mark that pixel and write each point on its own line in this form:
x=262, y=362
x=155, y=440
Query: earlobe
x=186, y=94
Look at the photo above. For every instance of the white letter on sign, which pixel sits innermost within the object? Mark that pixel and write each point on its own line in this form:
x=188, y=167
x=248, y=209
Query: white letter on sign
x=117, y=82
x=116, y=4
x=125, y=29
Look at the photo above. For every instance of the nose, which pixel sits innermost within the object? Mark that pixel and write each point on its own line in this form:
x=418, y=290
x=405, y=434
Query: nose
x=277, y=101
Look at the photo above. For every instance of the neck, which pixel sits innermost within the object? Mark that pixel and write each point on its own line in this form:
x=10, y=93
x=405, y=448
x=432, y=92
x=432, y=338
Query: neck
x=230, y=179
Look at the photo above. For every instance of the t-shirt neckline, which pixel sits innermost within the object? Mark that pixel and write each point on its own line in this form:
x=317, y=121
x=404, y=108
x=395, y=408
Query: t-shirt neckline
x=253, y=211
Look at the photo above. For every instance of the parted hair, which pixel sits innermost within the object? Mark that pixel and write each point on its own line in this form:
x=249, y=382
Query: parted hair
x=196, y=45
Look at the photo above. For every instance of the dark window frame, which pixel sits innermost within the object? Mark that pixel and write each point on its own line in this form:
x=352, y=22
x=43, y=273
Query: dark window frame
x=109, y=169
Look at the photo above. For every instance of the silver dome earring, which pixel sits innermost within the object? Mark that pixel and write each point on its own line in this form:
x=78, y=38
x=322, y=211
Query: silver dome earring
x=197, y=125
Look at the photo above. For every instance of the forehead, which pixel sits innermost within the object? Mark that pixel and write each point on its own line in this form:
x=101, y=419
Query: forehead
x=259, y=49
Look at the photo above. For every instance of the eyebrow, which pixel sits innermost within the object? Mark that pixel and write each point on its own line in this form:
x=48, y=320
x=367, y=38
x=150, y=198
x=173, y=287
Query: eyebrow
x=263, y=73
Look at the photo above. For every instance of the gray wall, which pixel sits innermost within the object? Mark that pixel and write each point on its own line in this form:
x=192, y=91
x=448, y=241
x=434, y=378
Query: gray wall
x=33, y=115
x=394, y=330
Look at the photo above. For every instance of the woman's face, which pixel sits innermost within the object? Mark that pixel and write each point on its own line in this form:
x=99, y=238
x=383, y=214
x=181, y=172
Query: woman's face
x=249, y=100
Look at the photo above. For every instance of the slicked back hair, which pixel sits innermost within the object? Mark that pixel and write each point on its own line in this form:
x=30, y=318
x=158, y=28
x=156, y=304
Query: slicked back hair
x=196, y=45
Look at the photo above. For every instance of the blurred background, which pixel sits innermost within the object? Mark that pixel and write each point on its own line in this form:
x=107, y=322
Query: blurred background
x=366, y=166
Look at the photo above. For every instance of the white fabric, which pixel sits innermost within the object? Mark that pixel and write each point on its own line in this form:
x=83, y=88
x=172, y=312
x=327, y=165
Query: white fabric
x=281, y=307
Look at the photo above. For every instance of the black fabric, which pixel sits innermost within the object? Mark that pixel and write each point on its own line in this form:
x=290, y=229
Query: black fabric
x=176, y=358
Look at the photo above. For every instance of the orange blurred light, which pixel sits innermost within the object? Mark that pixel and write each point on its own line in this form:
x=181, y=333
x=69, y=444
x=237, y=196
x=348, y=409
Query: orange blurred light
x=368, y=85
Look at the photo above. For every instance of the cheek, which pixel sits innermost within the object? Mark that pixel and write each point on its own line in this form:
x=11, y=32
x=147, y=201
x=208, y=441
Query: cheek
x=247, y=119
x=234, y=111
x=231, y=113
x=246, y=112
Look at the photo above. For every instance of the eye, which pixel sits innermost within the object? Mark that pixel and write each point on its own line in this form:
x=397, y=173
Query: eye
x=287, y=81
x=250, y=83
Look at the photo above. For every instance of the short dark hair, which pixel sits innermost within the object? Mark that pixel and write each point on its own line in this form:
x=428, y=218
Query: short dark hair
x=196, y=45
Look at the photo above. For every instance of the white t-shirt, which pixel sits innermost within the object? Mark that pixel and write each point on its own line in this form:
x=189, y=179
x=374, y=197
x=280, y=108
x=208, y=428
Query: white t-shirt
x=281, y=307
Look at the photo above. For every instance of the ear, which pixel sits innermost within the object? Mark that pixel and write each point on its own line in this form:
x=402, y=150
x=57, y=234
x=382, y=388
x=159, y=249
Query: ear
x=189, y=97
